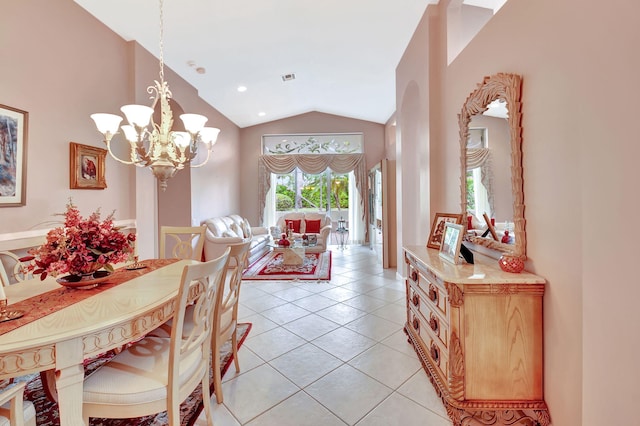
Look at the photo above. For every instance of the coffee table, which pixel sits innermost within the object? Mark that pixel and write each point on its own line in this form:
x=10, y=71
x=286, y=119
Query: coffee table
x=292, y=255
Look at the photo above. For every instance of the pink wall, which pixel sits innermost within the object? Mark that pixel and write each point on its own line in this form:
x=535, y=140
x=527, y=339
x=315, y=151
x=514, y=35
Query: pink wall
x=313, y=122
x=414, y=150
x=579, y=64
x=51, y=68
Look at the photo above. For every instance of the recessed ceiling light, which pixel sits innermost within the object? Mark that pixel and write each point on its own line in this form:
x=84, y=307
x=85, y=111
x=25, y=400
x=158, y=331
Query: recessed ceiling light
x=242, y=88
x=262, y=114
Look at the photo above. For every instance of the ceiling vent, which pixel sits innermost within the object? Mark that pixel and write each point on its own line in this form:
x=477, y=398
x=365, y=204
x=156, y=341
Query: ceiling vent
x=288, y=77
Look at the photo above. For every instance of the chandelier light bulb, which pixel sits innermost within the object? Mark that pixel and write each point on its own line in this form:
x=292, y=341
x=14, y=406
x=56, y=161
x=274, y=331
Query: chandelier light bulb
x=193, y=122
x=182, y=139
x=106, y=123
x=130, y=133
x=137, y=115
x=209, y=135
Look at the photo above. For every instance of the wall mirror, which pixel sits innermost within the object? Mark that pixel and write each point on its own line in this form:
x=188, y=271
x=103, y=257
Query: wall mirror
x=491, y=163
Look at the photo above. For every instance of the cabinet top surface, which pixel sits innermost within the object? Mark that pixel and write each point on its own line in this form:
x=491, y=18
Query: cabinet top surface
x=481, y=272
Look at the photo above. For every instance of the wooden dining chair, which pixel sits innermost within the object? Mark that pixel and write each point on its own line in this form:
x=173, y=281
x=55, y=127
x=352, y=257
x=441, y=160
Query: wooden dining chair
x=12, y=268
x=158, y=373
x=226, y=326
x=184, y=242
x=14, y=410
x=225, y=315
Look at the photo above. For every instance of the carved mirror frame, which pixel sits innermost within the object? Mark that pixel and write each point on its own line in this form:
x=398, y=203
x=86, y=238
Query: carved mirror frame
x=507, y=87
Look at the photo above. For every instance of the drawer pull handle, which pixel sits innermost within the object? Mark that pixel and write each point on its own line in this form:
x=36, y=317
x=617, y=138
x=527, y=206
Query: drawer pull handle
x=416, y=324
x=433, y=294
x=435, y=354
x=414, y=275
x=416, y=299
x=434, y=324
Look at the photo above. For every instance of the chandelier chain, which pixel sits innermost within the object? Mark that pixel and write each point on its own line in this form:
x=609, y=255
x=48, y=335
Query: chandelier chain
x=161, y=40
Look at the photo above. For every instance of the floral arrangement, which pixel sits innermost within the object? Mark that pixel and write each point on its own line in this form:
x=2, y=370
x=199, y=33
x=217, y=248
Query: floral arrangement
x=81, y=246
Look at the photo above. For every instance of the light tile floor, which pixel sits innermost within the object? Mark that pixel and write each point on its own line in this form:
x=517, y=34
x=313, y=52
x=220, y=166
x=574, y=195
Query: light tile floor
x=328, y=353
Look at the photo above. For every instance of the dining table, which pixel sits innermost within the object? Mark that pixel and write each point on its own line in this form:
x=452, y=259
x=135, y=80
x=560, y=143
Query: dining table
x=61, y=327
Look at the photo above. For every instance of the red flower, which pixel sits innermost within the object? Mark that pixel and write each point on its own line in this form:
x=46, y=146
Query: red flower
x=82, y=246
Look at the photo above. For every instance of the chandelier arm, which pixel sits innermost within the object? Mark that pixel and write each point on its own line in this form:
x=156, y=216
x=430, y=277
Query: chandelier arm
x=195, y=166
x=139, y=154
x=107, y=141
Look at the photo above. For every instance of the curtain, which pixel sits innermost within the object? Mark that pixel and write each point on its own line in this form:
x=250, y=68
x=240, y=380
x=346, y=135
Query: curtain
x=481, y=157
x=357, y=228
x=270, y=203
x=312, y=164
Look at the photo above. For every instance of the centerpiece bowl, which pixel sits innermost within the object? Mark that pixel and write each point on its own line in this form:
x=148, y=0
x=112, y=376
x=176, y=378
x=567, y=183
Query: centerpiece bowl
x=84, y=282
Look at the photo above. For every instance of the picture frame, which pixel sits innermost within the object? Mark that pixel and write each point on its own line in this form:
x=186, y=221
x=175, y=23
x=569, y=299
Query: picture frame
x=13, y=164
x=490, y=227
x=437, y=228
x=451, y=241
x=86, y=167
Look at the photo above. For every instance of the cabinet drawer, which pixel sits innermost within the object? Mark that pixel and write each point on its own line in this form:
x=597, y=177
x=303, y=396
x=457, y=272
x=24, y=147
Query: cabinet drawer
x=425, y=272
x=434, y=348
x=439, y=328
x=439, y=356
x=434, y=294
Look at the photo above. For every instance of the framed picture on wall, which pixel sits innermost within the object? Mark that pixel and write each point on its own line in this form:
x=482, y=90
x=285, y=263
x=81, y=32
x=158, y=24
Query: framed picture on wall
x=451, y=241
x=13, y=161
x=437, y=229
x=86, y=167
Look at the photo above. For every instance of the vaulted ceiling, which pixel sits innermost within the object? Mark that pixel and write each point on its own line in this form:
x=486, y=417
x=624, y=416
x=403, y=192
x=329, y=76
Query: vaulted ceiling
x=292, y=56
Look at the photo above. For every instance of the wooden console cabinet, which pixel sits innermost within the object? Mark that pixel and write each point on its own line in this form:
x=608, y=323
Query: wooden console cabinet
x=478, y=333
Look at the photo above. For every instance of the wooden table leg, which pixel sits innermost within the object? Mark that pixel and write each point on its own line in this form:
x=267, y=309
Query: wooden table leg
x=69, y=377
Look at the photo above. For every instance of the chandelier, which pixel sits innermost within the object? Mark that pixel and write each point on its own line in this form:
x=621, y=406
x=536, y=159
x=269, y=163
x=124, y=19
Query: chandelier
x=163, y=150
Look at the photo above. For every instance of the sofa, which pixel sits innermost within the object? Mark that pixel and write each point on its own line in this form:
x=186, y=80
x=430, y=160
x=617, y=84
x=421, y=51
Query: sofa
x=226, y=230
x=317, y=224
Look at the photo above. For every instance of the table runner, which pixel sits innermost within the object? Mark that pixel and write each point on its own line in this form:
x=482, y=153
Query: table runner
x=46, y=303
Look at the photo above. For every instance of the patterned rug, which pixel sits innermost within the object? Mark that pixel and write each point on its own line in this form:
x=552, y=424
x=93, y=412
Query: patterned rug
x=315, y=266
x=47, y=411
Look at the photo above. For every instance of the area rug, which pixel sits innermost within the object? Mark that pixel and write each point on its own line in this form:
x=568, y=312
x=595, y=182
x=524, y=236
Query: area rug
x=315, y=266
x=190, y=409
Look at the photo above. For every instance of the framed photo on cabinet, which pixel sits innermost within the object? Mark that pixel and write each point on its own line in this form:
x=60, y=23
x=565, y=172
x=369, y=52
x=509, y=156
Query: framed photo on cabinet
x=86, y=167
x=437, y=229
x=13, y=161
x=451, y=241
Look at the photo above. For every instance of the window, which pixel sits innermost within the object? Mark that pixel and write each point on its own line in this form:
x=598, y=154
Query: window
x=477, y=195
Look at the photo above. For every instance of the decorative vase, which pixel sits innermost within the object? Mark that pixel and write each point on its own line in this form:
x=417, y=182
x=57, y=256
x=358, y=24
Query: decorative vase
x=84, y=281
x=283, y=242
x=511, y=263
